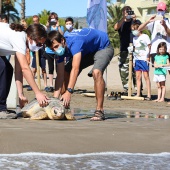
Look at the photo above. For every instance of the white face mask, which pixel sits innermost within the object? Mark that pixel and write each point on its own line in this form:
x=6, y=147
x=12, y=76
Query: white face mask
x=69, y=27
x=128, y=17
x=162, y=13
x=33, y=46
x=135, y=32
x=53, y=20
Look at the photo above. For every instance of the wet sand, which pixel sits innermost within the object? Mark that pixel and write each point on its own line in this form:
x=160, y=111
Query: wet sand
x=72, y=137
x=144, y=135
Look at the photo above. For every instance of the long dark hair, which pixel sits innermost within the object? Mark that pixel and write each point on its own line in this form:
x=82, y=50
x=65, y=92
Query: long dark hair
x=36, y=32
x=161, y=44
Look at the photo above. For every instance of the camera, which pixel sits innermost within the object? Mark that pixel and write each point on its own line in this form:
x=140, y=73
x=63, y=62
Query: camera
x=130, y=12
x=52, y=23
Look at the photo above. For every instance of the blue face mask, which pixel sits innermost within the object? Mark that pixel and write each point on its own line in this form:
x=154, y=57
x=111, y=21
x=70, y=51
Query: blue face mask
x=135, y=32
x=60, y=51
x=162, y=13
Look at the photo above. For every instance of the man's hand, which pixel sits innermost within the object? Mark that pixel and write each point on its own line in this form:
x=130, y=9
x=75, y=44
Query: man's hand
x=66, y=98
x=42, y=99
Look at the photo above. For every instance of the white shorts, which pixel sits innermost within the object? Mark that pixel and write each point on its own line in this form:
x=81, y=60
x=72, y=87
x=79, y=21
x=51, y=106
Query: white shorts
x=159, y=78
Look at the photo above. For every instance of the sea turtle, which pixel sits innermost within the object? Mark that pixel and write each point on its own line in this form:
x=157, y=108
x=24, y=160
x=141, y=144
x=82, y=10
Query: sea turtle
x=54, y=111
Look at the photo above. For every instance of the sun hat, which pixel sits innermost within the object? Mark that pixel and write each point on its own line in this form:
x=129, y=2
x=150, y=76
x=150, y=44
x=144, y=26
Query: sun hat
x=161, y=6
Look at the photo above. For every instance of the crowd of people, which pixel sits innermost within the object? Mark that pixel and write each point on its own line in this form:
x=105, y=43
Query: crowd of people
x=146, y=51
x=68, y=52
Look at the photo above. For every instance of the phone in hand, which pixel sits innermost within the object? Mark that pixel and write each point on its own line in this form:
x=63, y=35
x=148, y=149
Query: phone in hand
x=52, y=23
x=158, y=17
x=130, y=12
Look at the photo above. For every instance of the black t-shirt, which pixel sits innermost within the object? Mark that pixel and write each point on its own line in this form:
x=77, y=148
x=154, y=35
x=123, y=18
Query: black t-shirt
x=126, y=35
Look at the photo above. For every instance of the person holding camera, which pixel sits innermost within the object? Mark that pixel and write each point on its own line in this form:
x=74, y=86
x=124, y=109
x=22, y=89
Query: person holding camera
x=52, y=24
x=159, y=26
x=124, y=29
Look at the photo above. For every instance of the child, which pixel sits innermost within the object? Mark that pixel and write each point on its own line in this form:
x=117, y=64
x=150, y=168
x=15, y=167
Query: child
x=141, y=43
x=69, y=24
x=161, y=60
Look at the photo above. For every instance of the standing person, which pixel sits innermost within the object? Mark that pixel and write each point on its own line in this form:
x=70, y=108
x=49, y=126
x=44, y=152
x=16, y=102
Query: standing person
x=77, y=44
x=42, y=59
x=124, y=29
x=161, y=60
x=141, y=43
x=4, y=19
x=52, y=24
x=14, y=42
x=69, y=24
x=159, y=29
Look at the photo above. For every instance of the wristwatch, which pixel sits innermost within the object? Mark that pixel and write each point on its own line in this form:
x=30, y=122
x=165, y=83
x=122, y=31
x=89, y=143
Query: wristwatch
x=70, y=90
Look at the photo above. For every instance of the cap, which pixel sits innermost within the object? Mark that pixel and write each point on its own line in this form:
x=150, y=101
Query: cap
x=162, y=6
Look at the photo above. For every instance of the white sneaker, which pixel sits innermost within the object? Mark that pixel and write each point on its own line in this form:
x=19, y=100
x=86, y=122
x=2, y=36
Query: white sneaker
x=7, y=115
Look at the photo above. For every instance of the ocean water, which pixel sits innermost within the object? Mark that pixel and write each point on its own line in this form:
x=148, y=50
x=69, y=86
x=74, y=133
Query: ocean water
x=90, y=161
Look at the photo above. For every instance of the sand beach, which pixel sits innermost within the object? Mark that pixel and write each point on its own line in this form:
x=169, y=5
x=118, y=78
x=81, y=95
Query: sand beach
x=132, y=126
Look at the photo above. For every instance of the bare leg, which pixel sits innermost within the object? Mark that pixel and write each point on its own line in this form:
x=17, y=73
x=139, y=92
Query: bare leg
x=50, y=79
x=163, y=89
x=99, y=87
x=148, y=83
x=159, y=92
x=138, y=81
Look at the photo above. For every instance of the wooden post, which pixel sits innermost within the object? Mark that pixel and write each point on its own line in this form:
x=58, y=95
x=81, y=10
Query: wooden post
x=38, y=69
x=130, y=81
x=130, y=74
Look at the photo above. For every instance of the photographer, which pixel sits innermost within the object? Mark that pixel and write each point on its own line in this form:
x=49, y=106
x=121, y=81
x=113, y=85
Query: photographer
x=124, y=28
x=159, y=26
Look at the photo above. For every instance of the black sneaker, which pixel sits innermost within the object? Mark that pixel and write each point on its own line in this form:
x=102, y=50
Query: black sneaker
x=124, y=94
x=46, y=89
x=112, y=96
x=119, y=96
x=50, y=89
x=29, y=89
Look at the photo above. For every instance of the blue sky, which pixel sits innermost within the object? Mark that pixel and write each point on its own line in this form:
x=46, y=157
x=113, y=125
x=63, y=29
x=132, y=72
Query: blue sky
x=64, y=8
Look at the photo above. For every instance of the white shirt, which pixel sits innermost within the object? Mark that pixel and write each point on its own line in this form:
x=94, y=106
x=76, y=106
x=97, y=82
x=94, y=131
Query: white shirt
x=141, y=47
x=158, y=34
x=11, y=41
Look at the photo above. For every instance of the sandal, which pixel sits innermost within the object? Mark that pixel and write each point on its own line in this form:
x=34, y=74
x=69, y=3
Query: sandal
x=98, y=116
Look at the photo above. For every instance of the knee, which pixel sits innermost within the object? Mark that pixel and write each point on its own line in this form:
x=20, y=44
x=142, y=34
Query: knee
x=43, y=71
x=97, y=74
x=138, y=77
